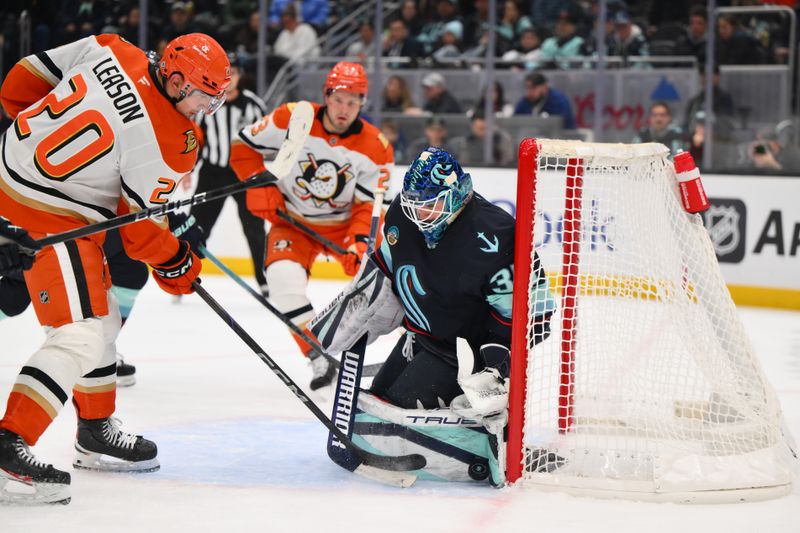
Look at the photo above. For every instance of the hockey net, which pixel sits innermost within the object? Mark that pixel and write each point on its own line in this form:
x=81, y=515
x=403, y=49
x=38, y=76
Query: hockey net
x=647, y=386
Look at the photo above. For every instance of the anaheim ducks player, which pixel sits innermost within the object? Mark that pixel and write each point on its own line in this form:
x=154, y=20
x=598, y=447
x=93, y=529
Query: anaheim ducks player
x=99, y=131
x=343, y=162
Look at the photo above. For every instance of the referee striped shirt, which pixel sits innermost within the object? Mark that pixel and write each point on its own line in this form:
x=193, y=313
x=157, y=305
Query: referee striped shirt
x=220, y=127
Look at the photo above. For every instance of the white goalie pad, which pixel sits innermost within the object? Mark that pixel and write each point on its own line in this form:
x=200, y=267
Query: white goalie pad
x=367, y=305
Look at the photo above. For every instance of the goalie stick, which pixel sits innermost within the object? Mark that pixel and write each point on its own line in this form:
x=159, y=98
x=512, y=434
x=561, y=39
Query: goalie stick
x=369, y=370
x=299, y=127
x=385, y=469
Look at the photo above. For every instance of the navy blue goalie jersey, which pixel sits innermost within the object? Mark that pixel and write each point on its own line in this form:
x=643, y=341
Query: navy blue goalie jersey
x=461, y=288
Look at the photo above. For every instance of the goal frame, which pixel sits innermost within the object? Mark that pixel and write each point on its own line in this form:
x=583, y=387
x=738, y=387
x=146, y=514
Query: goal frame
x=527, y=181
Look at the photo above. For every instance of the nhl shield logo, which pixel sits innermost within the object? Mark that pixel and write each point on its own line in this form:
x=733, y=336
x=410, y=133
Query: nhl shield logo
x=44, y=297
x=725, y=222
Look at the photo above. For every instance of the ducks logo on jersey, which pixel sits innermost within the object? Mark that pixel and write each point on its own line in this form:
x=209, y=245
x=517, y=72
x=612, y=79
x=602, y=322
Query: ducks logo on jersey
x=191, y=141
x=322, y=181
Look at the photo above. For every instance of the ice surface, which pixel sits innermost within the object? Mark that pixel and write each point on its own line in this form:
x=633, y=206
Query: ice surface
x=239, y=452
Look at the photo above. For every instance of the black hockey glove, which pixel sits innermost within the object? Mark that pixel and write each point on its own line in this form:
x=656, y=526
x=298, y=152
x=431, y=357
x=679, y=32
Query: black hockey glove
x=17, y=249
x=187, y=229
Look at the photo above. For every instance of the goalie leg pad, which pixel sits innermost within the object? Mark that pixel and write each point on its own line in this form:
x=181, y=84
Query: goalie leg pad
x=367, y=305
x=455, y=448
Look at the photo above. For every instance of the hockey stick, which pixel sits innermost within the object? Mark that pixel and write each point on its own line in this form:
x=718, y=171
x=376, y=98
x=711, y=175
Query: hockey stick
x=299, y=127
x=324, y=241
x=369, y=370
x=386, y=469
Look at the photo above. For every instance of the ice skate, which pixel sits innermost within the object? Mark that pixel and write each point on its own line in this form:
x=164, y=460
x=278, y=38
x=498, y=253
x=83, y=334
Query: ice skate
x=26, y=481
x=126, y=374
x=101, y=445
x=323, y=371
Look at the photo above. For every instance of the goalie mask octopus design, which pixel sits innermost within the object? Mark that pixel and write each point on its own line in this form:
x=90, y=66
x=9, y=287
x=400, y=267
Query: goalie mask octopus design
x=322, y=181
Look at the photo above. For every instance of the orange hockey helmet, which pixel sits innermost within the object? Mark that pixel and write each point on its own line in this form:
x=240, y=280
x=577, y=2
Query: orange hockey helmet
x=347, y=76
x=203, y=64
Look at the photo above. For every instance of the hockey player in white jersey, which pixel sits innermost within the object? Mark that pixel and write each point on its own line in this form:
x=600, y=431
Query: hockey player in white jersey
x=99, y=131
x=344, y=161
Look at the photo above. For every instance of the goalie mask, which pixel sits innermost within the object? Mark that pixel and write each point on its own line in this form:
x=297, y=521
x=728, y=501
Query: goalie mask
x=435, y=190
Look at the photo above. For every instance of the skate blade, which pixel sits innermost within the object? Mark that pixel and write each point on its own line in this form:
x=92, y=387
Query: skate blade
x=15, y=492
x=87, y=460
x=126, y=381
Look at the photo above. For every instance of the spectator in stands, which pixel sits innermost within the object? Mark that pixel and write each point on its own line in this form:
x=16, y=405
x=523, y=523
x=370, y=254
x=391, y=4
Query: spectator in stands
x=449, y=45
x=409, y=13
x=396, y=139
x=529, y=50
x=470, y=147
x=545, y=13
x=693, y=41
x=512, y=24
x=313, y=12
x=661, y=130
x=78, y=19
x=431, y=33
x=542, y=100
x=475, y=24
x=364, y=46
x=723, y=102
x=500, y=106
x=398, y=43
x=565, y=44
x=246, y=36
x=735, y=46
x=180, y=22
x=397, y=96
x=437, y=98
x=297, y=40
x=435, y=135
x=627, y=39
x=774, y=151
x=129, y=27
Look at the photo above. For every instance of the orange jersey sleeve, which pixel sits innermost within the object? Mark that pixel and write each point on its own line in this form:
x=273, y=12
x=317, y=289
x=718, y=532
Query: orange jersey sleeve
x=245, y=161
x=146, y=240
x=21, y=88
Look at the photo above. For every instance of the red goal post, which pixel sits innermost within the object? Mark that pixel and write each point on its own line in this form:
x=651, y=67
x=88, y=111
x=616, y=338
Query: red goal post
x=647, y=386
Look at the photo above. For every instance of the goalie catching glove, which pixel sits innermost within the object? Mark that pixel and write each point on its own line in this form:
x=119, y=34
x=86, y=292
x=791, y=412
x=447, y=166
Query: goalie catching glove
x=367, y=305
x=176, y=275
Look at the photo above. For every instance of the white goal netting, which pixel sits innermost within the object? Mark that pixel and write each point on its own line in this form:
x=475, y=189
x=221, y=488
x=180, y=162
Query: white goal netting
x=647, y=383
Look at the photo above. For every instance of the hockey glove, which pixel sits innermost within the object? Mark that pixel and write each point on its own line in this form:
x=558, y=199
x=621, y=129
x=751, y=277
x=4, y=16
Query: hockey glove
x=176, y=275
x=352, y=261
x=17, y=248
x=186, y=228
x=264, y=202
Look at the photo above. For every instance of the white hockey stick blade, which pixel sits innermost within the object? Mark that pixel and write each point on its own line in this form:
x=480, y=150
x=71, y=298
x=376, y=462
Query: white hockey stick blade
x=387, y=477
x=299, y=127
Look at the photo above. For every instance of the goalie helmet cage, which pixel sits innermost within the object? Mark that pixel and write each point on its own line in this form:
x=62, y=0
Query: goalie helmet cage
x=647, y=387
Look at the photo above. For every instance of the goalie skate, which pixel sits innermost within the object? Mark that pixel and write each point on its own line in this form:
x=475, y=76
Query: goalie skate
x=101, y=445
x=26, y=481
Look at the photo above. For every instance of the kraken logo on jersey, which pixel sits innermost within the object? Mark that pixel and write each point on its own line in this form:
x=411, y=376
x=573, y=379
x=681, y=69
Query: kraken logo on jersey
x=408, y=286
x=191, y=141
x=322, y=181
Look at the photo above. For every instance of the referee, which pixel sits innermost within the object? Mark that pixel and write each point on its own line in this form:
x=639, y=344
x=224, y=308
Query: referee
x=241, y=107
